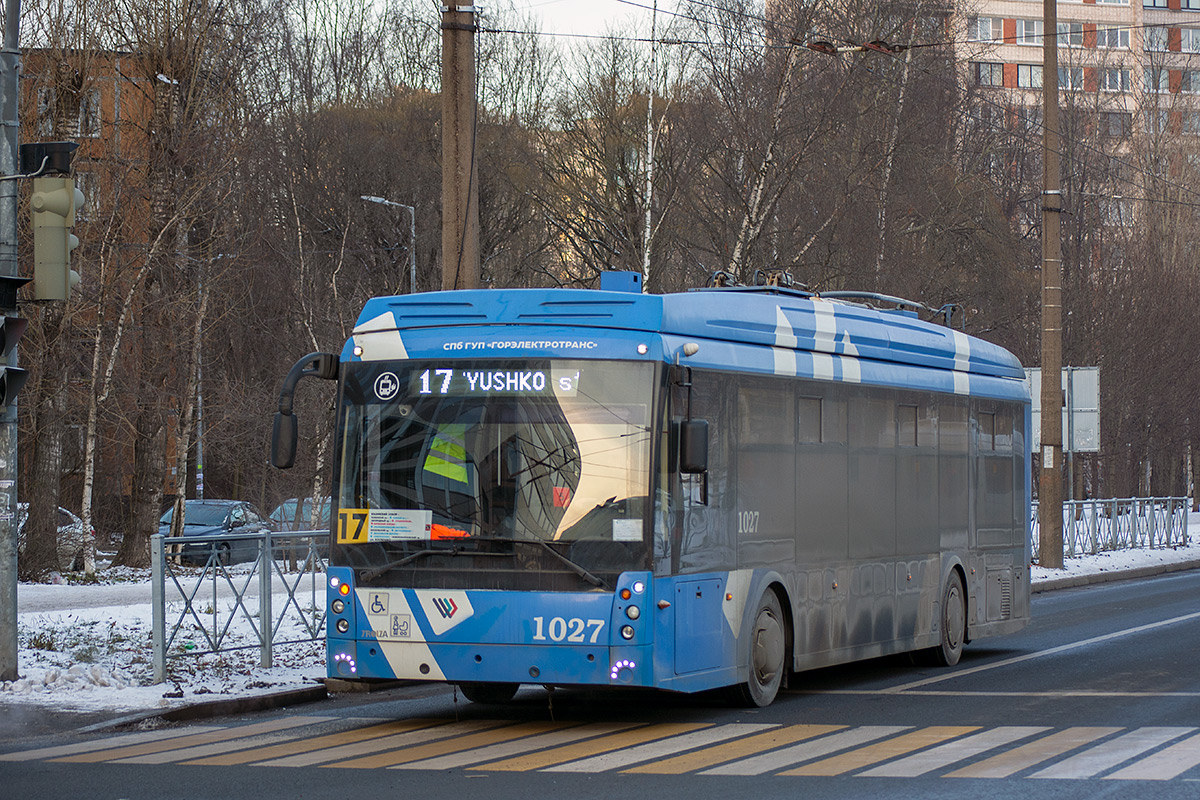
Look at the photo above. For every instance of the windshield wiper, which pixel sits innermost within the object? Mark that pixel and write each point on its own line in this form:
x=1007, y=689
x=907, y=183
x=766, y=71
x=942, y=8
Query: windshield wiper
x=577, y=568
x=372, y=574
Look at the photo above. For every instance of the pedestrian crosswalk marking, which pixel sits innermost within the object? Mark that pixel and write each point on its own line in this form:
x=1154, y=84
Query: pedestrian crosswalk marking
x=807, y=751
x=881, y=751
x=496, y=752
x=241, y=731
x=454, y=745
x=731, y=751
x=309, y=745
x=574, y=752
x=433, y=732
x=664, y=747
x=1034, y=753
x=1163, y=765
x=953, y=752
x=736, y=748
x=105, y=744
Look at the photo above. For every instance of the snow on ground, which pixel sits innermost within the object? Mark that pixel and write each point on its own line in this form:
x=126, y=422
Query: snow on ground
x=82, y=656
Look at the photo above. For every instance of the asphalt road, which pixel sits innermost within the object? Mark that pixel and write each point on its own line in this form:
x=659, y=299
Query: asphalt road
x=1099, y=697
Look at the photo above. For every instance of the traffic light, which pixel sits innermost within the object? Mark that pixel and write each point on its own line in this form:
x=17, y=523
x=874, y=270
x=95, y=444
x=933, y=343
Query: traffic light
x=53, y=204
x=11, y=378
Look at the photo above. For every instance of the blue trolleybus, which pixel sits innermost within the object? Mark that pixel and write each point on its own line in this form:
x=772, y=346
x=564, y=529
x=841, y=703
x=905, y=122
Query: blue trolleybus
x=716, y=488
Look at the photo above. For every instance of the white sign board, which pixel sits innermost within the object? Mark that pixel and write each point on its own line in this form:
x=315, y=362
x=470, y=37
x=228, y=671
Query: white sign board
x=1080, y=413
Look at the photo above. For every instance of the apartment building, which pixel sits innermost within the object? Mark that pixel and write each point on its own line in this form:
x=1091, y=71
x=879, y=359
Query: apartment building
x=1138, y=59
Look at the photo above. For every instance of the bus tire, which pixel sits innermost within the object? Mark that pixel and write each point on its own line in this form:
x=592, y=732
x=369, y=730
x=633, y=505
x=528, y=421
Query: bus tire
x=954, y=623
x=489, y=693
x=767, y=656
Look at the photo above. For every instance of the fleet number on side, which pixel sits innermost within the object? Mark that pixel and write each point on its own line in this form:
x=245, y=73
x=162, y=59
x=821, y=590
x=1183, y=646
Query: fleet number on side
x=567, y=630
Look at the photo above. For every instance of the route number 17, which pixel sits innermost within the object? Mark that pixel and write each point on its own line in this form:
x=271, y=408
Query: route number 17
x=352, y=525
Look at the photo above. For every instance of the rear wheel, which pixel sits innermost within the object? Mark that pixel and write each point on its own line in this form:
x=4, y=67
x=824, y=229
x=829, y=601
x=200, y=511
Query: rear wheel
x=224, y=555
x=953, y=624
x=767, y=656
x=489, y=693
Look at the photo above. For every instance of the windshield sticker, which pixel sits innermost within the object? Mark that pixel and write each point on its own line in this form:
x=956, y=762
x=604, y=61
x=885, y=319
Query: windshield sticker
x=627, y=530
x=390, y=525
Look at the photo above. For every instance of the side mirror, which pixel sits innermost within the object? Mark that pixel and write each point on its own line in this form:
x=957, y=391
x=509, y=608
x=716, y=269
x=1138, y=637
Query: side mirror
x=693, y=446
x=283, y=440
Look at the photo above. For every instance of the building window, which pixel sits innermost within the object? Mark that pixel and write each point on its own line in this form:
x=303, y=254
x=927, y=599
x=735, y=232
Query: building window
x=985, y=29
x=1029, y=76
x=1192, y=4
x=1154, y=3
x=89, y=113
x=988, y=73
x=1115, y=124
x=1155, y=39
x=1157, y=120
x=1029, y=31
x=1191, y=123
x=1070, y=77
x=1070, y=34
x=1190, y=80
x=1114, y=80
x=1156, y=79
x=1189, y=40
x=91, y=198
x=1115, y=2
x=1113, y=38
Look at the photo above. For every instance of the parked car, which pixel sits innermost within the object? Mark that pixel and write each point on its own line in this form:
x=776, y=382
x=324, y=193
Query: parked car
x=214, y=517
x=285, y=518
x=72, y=537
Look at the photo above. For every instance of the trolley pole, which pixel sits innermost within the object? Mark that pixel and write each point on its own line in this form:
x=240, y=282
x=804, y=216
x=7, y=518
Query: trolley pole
x=460, y=184
x=1050, y=499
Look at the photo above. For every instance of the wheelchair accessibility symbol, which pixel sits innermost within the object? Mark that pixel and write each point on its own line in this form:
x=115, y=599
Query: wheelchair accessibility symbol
x=379, y=604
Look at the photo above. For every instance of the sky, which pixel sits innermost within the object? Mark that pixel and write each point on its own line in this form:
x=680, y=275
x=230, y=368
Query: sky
x=590, y=16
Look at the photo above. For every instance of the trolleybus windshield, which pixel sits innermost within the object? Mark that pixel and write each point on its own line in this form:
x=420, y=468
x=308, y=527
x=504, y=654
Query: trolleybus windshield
x=545, y=460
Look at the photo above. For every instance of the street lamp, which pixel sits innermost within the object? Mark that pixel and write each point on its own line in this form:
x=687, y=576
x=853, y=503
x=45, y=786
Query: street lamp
x=412, y=246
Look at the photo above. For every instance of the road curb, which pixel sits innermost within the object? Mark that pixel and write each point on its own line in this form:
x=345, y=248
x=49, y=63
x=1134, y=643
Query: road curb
x=1075, y=581
x=218, y=708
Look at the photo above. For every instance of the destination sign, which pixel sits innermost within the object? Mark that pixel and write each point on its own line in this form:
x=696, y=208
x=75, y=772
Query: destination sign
x=507, y=382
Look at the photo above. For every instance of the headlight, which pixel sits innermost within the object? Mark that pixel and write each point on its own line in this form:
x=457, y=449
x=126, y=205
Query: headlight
x=343, y=626
x=338, y=606
x=633, y=612
x=626, y=632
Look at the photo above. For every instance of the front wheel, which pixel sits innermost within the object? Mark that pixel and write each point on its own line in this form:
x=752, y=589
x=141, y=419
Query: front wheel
x=489, y=693
x=768, y=642
x=954, y=624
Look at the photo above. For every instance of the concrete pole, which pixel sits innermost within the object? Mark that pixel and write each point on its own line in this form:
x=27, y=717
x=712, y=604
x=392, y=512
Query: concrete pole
x=1050, y=499
x=10, y=68
x=460, y=185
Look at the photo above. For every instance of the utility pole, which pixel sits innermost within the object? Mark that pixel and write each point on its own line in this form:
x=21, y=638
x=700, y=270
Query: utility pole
x=10, y=64
x=1050, y=498
x=648, y=196
x=460, y=185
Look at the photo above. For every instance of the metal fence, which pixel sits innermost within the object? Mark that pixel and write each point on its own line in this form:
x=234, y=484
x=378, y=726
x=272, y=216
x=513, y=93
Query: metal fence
x=204, y=602
x=1093, y=526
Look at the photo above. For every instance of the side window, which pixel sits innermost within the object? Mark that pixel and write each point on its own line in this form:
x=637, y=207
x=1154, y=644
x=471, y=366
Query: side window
x=809, y=430
x=987, y=430
x=906, y=420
